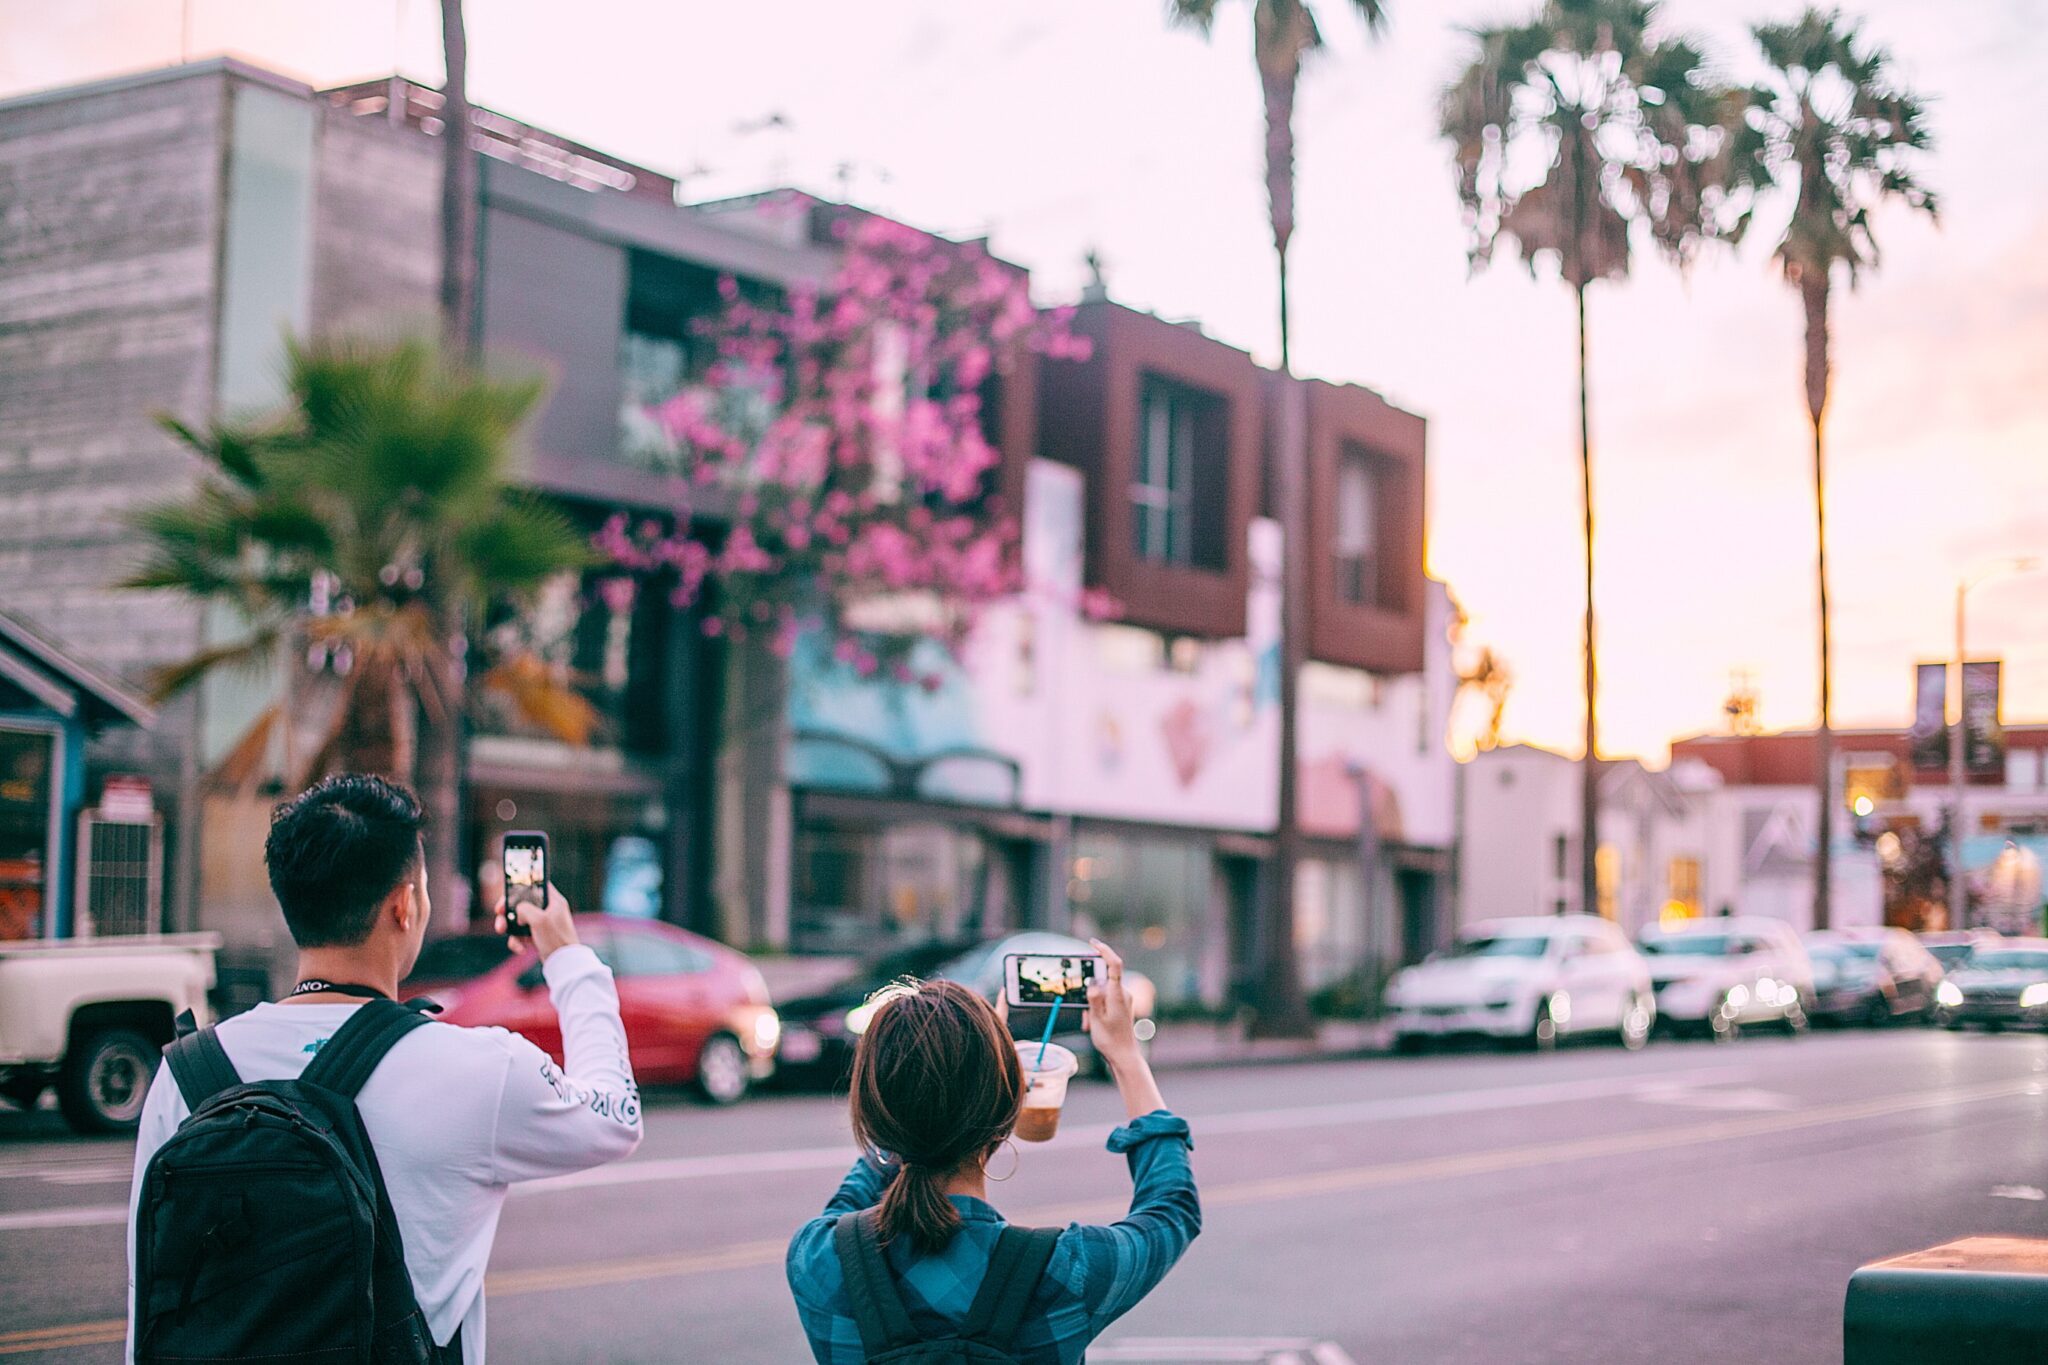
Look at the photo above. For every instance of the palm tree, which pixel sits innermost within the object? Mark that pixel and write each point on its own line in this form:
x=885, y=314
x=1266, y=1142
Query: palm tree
x=1828, y=127
x=1622, y=123
x=1283, y=33
x=364, y=527
x=458, y=193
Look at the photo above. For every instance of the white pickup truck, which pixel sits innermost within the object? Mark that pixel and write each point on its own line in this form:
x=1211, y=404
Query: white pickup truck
x=91, y=1015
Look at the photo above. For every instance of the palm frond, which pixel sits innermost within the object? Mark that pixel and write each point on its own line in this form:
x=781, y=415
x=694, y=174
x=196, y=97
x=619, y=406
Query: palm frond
x=253, y=653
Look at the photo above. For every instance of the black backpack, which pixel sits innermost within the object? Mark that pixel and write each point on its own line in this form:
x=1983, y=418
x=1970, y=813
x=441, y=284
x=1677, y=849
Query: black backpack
x=887, y=1335
x=264, y=1231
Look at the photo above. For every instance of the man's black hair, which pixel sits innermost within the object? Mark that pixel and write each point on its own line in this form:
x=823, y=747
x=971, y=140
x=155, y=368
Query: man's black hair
x=336, y=850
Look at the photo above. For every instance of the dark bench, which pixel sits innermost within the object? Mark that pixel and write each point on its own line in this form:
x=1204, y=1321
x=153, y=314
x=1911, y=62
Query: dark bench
x=1981, y=1300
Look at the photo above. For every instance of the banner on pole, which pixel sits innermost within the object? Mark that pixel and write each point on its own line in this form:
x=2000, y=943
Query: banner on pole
x=1929, y=735
x=1983, y=740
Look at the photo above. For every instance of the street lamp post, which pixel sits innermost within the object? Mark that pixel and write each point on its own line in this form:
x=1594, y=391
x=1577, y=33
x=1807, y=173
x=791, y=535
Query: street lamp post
x=1958, y=890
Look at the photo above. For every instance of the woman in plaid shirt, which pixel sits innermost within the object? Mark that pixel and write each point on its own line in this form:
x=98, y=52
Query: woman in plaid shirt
x=937, y=1086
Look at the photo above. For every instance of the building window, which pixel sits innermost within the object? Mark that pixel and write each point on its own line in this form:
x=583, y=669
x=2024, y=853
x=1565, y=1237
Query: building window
x=863, y=888
x=1152, y=897
x=26, y=797
x=1177, y=485
x=661, y=351
x=1607, y=880
x=1357, y=541
x=1684, y=901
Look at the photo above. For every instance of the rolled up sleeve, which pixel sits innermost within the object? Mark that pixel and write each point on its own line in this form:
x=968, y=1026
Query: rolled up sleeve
x=555, y=1120
x=1126, y=1260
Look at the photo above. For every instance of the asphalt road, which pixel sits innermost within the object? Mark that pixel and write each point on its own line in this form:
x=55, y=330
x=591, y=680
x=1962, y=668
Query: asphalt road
x=1685, y=1203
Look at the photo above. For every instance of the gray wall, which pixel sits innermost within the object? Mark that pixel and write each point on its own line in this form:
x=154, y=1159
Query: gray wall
x=376, y=226
x=107, y=271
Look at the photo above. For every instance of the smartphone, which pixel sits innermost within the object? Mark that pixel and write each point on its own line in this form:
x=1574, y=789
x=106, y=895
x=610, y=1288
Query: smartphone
x=526, y=877
x=1048, y=978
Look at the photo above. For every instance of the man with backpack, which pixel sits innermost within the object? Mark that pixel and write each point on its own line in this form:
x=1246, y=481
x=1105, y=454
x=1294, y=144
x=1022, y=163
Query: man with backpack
x=320, y=1178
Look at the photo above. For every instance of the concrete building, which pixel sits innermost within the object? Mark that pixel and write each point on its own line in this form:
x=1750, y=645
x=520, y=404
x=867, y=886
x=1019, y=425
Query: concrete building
x=1519, y=838
x=1768, y=825
x=1116, y=775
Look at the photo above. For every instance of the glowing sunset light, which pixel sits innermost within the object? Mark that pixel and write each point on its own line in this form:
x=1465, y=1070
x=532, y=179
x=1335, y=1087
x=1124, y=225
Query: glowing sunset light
x=1056, y=126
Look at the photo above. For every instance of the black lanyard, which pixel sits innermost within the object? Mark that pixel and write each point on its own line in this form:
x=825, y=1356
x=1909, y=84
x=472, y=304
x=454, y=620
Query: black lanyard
x=313, y=984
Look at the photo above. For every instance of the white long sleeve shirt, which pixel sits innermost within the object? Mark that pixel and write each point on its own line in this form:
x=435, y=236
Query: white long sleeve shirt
x=456, y=1115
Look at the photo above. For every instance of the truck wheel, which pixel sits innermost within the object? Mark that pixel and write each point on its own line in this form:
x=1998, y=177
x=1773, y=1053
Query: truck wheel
x=105, y=1077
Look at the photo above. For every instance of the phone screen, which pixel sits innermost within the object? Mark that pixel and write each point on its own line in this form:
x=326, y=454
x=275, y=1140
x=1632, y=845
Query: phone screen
x=1047, y=978
x=526, y=877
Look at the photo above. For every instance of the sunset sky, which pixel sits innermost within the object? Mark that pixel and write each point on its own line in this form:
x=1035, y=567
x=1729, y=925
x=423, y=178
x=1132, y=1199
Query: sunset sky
x=1057, y=125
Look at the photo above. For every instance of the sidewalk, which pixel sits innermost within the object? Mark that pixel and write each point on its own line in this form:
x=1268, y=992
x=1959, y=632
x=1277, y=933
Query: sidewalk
x=1189, y=1044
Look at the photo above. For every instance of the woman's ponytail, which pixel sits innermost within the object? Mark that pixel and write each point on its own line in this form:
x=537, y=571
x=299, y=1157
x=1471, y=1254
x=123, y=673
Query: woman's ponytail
x=916, y=1207
x=936, y=1086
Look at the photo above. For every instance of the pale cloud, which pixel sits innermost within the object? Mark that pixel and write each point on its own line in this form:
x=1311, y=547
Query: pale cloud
x=1056, y=125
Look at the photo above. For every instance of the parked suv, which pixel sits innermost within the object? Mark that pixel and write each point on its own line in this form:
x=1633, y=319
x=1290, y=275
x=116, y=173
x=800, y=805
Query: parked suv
x=1527, y=981
x=1718, y=976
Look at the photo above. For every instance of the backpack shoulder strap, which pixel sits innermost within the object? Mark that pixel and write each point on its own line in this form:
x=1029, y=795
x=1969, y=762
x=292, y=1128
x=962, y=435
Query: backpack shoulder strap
x=878, y=1309
x=348, y=1058
x=201, y=1067
x=1014, y=1271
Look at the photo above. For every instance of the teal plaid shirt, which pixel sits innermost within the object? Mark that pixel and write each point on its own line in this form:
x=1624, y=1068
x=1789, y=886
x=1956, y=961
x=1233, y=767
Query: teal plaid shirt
x=1097, y=1274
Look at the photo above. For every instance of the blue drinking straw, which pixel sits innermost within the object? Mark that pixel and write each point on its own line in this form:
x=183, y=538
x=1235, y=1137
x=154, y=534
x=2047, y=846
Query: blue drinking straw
x=1039, y=1063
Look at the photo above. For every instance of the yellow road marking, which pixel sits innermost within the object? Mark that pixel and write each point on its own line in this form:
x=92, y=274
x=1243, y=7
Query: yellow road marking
x=107, y=1332
x=748, y=1255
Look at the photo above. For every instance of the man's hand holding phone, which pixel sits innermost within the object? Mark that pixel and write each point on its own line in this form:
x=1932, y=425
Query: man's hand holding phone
x=549, y=926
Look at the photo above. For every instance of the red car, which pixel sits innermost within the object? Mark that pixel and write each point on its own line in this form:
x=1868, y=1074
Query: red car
x=696, y=1012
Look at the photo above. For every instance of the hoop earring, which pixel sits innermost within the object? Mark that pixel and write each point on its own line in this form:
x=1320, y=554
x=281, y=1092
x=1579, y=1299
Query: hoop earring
x=1015, y=1160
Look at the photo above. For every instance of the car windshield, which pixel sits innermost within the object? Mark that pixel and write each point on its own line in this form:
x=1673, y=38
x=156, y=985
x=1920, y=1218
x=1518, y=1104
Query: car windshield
x=1690, y=945
x=460, y=959
x=1844, y=952
x=1998, y=960
x=1952, y=955
x=1501, y=945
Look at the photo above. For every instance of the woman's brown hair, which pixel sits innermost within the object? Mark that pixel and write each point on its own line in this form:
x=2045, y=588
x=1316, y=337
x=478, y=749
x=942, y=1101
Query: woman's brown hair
x=936, y=1084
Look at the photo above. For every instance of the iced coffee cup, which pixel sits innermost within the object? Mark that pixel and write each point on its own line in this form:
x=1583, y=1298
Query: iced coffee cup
x=1045, y=1089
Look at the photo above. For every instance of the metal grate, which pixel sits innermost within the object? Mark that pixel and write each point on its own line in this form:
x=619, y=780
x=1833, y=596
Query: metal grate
x=120, y=877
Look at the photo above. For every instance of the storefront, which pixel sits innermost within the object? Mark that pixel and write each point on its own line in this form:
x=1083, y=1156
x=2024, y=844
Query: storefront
x=50, y=704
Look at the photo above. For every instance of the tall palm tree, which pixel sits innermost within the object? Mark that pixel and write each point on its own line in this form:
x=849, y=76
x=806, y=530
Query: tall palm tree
x=458, y=193
x=1619, y=125
x=363, y=525
x=1284, y=32
x=1828, y=127
x=443, y=745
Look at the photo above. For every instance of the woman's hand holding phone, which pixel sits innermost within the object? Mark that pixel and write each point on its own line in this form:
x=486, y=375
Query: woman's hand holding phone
x=1114, y=1030
x=550, y=926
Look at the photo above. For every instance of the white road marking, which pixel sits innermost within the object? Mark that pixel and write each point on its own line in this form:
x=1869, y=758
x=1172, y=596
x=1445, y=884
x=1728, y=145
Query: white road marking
x=86, y=1216
x=2030, y=1193
x=653, y=1170
x=1188, y=1350
x=1680, y=1095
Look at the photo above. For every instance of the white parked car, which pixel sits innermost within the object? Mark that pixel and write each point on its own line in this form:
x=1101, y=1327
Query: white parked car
x=1527, y=981
x=1716, y=976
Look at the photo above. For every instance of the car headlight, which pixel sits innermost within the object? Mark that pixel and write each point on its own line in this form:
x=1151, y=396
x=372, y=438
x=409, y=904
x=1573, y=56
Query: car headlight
x=859, y=1017
x=1949, y=993
x=2034, y=996
x=767, y=1030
